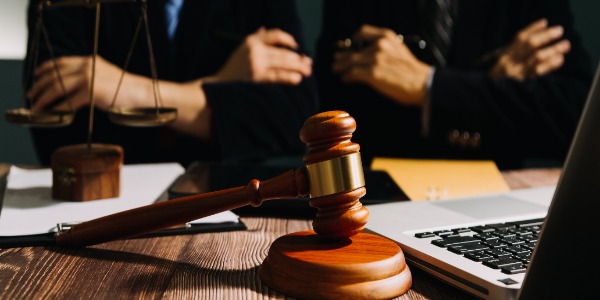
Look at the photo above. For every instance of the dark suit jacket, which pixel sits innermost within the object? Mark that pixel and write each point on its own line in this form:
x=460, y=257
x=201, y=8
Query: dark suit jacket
x=250, y=121
x=514, y=120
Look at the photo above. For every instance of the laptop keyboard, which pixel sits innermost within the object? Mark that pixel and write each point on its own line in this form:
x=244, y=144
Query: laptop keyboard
x=503, y=246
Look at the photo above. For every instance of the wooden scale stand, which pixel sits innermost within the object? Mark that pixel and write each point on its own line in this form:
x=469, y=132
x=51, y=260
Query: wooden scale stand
x=91, y=171
x=335, y=261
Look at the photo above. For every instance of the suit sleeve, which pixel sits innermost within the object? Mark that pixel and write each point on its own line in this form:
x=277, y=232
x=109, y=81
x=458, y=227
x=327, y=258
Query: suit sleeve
x=258, y=121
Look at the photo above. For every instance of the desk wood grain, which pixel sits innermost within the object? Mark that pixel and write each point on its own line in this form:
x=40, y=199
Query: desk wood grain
x=200, y=266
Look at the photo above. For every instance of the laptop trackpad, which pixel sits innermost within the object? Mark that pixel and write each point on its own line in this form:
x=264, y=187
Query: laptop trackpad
x=491, y=207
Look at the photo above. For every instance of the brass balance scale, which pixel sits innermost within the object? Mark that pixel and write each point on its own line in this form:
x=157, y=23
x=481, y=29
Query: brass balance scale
x=89, y=171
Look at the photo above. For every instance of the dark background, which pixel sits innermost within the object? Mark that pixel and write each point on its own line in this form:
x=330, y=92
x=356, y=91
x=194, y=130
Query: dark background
x=15, y=142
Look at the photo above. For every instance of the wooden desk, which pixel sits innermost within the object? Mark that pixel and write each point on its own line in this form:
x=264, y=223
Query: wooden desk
x=201, y=266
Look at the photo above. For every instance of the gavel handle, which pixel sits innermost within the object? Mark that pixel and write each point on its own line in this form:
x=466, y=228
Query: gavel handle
x=144, y=219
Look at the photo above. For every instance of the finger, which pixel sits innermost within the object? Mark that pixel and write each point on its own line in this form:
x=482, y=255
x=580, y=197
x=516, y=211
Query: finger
x=372, y=33
x=63, y=63
x=73, y=102
x=287, y=60
x=362, y=57
x=550, y=58
x=45, y=67
x=51, y=72
x=532, y=28
x=282, y=76
x=340, y=61
x=279, y=37
x=363, y=74
x=559, y=49
x=545, y=37
x=549, y=65
x=523, y=41
x=345, y=60
x=387, y=45
x=50, y=86
x=52, y=90
x=43, y=82
x=44, y=75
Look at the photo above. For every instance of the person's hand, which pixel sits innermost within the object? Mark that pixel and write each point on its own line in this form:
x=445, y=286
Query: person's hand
x=386, y=64
x=535, y=51
x=266, y=56
x=76, y=74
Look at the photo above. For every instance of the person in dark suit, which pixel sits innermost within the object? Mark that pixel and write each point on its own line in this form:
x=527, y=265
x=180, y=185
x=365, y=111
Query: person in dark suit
x=510, y=85
x=232, y=68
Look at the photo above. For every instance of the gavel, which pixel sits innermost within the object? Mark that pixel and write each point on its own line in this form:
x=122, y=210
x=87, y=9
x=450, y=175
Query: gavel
x=332, y=177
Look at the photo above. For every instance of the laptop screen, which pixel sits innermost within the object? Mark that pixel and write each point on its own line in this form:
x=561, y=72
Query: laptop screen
x=564, y=263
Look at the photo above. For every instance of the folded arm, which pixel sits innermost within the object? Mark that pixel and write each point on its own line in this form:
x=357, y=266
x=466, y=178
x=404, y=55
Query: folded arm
x=266, y=56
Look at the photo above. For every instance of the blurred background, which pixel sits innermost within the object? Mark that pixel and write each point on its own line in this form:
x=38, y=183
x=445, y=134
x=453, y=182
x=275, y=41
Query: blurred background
x=15, y=142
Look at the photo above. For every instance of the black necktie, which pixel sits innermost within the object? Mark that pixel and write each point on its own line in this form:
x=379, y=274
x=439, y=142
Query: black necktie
x=437, y=21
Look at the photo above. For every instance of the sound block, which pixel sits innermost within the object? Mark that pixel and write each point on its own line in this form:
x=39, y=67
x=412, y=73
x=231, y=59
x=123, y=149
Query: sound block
x=85, y=172
x=307, y=266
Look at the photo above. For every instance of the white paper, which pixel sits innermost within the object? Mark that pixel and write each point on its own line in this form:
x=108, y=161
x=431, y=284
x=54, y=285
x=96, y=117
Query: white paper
x=28, y=207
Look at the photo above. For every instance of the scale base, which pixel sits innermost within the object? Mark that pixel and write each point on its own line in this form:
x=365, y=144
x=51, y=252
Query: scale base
x=86, y=172
x=364, y=266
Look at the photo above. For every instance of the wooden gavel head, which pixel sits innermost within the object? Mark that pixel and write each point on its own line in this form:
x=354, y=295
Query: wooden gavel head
x=335, y=174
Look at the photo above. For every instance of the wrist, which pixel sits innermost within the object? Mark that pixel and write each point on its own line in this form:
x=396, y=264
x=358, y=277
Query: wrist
x=424, y=84
x=137, y=91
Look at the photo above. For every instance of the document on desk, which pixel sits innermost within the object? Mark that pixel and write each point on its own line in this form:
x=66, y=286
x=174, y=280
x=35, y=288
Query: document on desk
x=28, y=208
x=434, y=179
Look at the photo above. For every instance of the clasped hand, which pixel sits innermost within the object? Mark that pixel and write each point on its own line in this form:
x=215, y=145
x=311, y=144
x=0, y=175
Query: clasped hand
x=535, y=51
x=385, y=64
x=264, y=56
x=388, y=66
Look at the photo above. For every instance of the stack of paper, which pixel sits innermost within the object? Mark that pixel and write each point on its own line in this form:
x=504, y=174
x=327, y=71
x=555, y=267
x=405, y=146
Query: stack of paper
x=29, y=209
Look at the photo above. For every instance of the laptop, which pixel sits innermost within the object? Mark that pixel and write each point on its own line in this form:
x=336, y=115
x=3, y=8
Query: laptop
x=536, y=243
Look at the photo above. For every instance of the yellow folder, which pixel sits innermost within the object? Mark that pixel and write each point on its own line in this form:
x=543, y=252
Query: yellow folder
x=432, y=179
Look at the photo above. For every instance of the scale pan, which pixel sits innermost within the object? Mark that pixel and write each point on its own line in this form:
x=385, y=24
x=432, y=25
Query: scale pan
x=142, y=116
x=25, y=117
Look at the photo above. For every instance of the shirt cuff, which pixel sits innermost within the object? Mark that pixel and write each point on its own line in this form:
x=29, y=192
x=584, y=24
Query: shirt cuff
x=426, y=109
